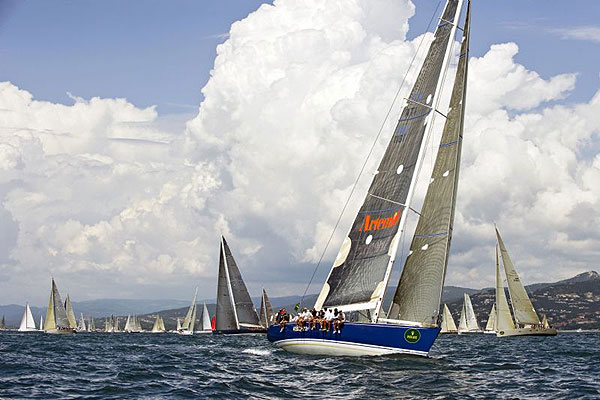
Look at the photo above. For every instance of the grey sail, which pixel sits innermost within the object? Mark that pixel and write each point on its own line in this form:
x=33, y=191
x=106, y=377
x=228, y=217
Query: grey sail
x=359, y=274
x=246, y=314
x=266, y=311
x=226, y=318
x=504, y=320
x=60, y=313
x=522, y=308
x=418, y=294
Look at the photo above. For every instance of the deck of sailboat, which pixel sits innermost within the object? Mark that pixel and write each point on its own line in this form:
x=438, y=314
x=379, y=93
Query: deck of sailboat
x=241, y=331
x=528, y=331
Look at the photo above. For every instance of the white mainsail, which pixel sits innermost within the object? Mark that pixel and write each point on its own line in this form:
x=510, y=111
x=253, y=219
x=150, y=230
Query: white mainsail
x=128, y=324
x=27, y=322
x=504, y=320
x=205, y=318
x=448, y=325
x=41, y=323
x=82, y=327
x=490, y=326
x=158, y=326
x=522, y=307
x=178, y=324
x=468, y=321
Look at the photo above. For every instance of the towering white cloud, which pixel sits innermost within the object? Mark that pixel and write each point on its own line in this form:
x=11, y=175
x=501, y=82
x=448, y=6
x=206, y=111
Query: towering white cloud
x=99, y=194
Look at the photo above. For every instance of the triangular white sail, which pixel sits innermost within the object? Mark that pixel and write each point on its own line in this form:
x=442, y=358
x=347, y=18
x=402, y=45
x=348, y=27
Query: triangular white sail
x=82, y=327
x=472, y=323
x=70, y=313
x=41, y=323
x=158, y=325
x=468, y=320
x=128, y=324
x=448, y=325
x=490, y=326
x=178, y=324
x=193, y=320
x=504, y=320
x=27, y=322
x=205, y=318
x=522, y=307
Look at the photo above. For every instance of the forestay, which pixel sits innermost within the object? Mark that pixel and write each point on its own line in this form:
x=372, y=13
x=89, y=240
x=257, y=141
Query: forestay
x=360, y=272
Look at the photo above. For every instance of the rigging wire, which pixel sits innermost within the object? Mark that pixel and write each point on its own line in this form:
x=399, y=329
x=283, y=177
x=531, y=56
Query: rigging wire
x=368, y=155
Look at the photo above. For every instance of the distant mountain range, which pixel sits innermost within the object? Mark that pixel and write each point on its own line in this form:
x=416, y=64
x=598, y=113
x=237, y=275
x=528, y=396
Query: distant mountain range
x=569, y=304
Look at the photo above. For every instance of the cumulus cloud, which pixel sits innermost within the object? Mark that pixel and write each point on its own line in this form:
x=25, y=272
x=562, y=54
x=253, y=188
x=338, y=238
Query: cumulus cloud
x=100, y=193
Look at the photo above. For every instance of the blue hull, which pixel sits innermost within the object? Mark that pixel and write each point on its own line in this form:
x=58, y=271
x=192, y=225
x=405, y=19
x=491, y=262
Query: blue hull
x=356, y=338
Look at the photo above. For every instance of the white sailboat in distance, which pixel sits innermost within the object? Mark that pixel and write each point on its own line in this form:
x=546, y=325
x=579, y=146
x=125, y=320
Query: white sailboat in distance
x=526, y=322
x=187, y=327
x=468, y=320
x=27, y=322
x=448, y=325
x=206, y=326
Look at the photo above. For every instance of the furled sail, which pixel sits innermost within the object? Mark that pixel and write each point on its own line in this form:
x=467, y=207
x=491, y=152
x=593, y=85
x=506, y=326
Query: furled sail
x=491, y=322
x=448, y=324
x=56, y=316
x=205, y=318
x=234, y=305
x=266, y=311
x=419, y=291
x=521, y=304
x=27, y=322
x=361, y=270
x=504, y=320
x=70, y=313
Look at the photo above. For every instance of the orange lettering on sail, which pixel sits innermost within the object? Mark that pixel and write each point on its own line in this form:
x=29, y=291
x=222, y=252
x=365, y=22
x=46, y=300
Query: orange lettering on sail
x=380, y=223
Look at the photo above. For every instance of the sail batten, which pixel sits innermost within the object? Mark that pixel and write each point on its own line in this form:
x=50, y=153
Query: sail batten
x=418, y=294
x=521, y=304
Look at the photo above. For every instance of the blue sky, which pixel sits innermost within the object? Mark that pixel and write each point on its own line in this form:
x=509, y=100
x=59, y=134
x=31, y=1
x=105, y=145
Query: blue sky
x=161, y=52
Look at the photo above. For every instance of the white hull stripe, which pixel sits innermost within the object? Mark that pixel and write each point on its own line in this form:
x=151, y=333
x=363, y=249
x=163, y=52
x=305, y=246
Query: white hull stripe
x=336, y=347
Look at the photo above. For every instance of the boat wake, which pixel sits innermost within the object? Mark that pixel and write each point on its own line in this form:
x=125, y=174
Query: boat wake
x=258, y=351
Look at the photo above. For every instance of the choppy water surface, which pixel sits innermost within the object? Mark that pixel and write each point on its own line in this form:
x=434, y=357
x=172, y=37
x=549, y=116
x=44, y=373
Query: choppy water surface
x=109, y=366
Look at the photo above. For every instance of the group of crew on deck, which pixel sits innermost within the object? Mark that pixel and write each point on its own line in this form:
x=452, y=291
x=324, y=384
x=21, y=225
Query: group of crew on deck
x=323, y=320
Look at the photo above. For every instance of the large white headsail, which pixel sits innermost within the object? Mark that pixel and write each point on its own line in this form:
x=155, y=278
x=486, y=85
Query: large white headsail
x=360, y=273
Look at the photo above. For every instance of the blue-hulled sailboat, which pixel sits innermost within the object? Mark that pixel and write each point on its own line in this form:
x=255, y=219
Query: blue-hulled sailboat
x=360, y=274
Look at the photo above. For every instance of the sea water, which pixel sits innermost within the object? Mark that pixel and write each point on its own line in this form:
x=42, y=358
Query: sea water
x=143, y=365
